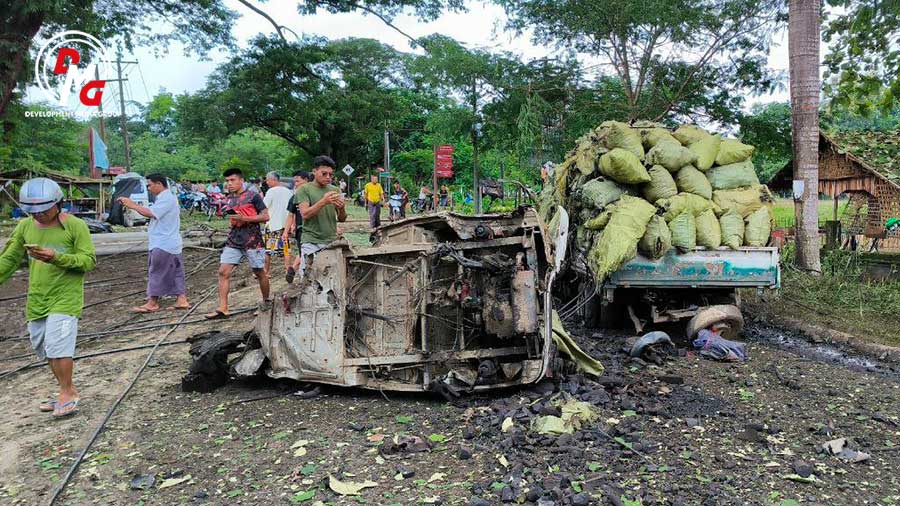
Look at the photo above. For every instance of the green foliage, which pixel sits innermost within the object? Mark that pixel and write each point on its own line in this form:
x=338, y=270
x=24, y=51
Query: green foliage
x=768, y=129
x=57, y=143
x=863, y=63
x=648, y=45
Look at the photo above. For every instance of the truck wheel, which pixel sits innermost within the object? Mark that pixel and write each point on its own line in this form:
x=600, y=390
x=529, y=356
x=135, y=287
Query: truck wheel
x=721, y=313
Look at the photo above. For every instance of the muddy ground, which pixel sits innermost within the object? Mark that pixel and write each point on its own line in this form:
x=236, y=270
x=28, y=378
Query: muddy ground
x=689, y=431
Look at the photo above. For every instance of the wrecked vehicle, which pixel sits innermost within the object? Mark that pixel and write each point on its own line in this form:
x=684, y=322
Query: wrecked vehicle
x=443, y=302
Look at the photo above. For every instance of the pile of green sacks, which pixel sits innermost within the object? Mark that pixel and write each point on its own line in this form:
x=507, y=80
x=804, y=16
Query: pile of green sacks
x=645, y=188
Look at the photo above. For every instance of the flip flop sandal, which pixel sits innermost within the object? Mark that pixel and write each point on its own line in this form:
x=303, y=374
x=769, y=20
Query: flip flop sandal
x=218, y=315
x=48, y=406
x=66, y=409
x=180, y=308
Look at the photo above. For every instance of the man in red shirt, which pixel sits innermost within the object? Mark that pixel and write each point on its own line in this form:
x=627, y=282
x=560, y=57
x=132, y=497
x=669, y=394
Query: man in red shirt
x=246, y=211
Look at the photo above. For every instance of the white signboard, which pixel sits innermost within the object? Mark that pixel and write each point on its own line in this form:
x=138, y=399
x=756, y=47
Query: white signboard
x=348, y=170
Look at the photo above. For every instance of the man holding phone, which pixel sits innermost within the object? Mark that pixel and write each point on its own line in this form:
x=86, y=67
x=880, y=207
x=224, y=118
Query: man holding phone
x=246, y=211
x=321, y=207
x=60, y=252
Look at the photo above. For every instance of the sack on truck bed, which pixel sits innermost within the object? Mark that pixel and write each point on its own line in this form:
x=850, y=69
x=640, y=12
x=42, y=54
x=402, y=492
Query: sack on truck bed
x=735, y=175
x=733, y=151
x=689, y=134
x=673, y=206
x=671, y=155
x=618, y=242
x=691, y=180
x=744, y=200
x=623, y=167
x=709, y=233
x=653, y=136
x=657, y=239
x=706, y=150
x=661, y=185
x=758, y=227
x=732, y=225
x=600, y=221
x=684, y=232
x=599, y=193
x=619, y=135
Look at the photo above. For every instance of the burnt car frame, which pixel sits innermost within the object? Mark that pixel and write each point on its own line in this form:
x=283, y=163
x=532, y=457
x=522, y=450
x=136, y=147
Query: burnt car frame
x=441, y=302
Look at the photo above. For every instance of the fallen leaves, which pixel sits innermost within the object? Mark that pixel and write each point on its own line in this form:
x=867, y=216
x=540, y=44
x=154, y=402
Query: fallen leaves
x=348, y=487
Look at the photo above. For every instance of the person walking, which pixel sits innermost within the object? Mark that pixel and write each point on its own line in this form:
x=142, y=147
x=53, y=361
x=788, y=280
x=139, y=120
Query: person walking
x=321, y=207
x=374, y=195
x=246, y=211
x=276, y=201
x=59, y=250
x=165, y=271
x=444, y=195
x=294, y=223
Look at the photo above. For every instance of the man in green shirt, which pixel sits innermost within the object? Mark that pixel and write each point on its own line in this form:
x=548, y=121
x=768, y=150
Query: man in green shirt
x=60, y=251
x=322, y=207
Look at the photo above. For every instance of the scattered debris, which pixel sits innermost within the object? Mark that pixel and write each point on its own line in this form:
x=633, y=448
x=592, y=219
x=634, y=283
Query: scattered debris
x=172, y=482
x=143, y=481
x=712, y=345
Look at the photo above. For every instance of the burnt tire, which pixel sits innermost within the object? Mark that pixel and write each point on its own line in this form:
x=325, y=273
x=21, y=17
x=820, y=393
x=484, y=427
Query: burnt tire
x=720, y=313
x=209, y=368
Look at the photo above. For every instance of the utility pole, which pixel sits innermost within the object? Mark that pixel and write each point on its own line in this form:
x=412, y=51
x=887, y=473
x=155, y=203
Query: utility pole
x=387, y=151
x=100, y=106
x=122, y=112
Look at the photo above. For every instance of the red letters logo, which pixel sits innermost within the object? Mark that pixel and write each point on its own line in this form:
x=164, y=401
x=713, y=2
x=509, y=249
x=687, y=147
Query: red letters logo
x=64, y=51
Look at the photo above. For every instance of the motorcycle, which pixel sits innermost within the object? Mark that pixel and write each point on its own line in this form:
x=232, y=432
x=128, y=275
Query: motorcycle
x=215, y=205
x=395, y=202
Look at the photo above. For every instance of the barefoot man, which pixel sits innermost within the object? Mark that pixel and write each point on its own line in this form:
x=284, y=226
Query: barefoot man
x=165, y=273
x=60, y=250
x=246, y=210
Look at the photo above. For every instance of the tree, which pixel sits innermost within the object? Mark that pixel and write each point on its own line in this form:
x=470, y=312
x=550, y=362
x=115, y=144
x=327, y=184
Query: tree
x=200, y=24
x=57, y=143
x=683, y=57
x=803, y=49
x=768, y=129
x=863, y=57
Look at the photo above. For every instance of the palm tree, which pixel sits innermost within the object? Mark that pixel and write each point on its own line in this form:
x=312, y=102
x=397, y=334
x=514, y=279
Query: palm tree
x=803, y=48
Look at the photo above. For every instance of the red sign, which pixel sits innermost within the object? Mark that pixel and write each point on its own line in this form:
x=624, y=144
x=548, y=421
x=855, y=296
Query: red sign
x=444, y=161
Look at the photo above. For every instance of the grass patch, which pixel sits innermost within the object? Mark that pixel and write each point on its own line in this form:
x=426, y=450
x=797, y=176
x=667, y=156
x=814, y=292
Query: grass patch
x=840, y=299
x=784, y=212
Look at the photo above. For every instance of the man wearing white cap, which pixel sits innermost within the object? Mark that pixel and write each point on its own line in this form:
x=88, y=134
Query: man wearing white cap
x=60, y=252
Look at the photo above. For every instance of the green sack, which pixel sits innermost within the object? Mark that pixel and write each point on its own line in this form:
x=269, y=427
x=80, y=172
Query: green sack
x=684, y=232
x=758, y=227
x=744, y=200
x=618, y=242
x=733, y=151
x=600, y=221
x=584, y=238
x=657, y=239
x=689, y=134
x=709, y=233
x=599, y=193
x=735, y=175
x=619, y=135
x=586, y=155
x=653, y=136
x=706, y=150
x=623, y=167
x=661, y=185
x=732, y=225
x=671, y=155
x=673, y=206
x=691, y=180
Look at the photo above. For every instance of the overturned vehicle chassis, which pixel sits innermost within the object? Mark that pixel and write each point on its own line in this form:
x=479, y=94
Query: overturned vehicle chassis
x=444, y=303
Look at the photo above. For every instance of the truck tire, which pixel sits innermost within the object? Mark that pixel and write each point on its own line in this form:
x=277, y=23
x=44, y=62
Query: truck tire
x=721, y=313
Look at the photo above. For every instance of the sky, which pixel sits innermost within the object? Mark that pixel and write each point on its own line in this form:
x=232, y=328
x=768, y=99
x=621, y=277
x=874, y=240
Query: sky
x=481, y=27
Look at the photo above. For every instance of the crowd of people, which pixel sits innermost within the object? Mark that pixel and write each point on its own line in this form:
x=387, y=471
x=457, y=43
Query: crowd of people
x=263, y=219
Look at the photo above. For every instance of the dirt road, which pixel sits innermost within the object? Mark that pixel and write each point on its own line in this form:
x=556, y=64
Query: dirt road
x=690, y=431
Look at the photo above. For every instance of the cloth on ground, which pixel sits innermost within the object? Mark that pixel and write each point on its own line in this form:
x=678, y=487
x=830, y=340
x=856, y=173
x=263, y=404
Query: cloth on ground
x=714, y=346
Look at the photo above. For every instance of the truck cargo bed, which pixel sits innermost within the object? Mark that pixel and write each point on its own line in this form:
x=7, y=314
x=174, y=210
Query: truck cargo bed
x=721, y=268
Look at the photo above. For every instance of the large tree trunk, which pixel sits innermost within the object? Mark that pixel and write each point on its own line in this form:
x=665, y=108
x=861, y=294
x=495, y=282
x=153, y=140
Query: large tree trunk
x=16, y=34
x=803, y=47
